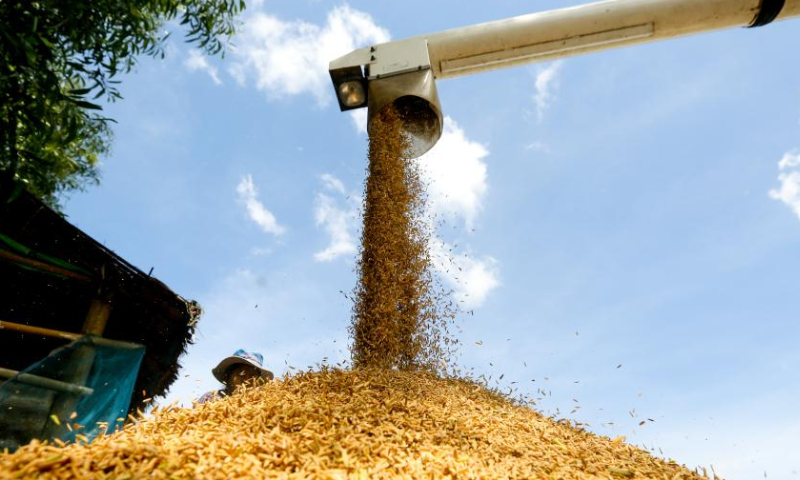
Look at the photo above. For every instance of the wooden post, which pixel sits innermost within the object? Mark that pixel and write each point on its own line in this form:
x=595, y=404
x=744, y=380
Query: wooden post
x=97, y=318
x=82, y=359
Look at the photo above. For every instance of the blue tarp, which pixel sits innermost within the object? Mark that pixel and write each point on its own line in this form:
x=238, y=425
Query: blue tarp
x=104, y=376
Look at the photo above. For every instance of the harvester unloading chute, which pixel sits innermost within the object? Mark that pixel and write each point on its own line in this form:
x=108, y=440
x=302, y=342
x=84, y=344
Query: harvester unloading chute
x=404, y=72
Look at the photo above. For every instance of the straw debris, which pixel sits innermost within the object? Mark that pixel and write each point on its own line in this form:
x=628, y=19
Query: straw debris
x=363, y=424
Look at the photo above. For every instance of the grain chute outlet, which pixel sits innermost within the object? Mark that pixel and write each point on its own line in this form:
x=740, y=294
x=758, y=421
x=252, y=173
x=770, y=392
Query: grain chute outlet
x=397, y=73
x=404, y=72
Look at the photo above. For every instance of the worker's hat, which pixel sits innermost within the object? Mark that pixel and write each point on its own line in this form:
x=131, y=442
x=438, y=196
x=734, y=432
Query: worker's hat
x=241, y=357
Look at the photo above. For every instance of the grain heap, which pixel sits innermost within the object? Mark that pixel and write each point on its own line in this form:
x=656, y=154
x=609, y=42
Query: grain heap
x=389, y=418
x=364, y=424
x=401, y=315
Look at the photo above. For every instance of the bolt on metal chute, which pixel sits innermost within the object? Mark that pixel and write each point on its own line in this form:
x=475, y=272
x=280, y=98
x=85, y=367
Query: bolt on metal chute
x=404, y=72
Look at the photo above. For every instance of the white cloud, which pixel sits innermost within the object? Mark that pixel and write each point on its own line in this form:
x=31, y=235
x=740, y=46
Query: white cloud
x=789, y=177
x=197, y=61
x=255, y=209
x=285, y=58
x=456, y=174
x=538, y=146
x=472, y=279
x=546, y=82
x=339, y=221
x=789, y=160
x=359, y=118
x=457, y=185
x=332, y=183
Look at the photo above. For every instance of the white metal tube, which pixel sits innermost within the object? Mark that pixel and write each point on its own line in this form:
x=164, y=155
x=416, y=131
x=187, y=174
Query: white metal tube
x=791, y=9
x=571, y=31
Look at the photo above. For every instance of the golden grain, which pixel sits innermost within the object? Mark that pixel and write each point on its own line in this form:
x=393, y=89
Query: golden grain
x=376, y=424
x=401, y=316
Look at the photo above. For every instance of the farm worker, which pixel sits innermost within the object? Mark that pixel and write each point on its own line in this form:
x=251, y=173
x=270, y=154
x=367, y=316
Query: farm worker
x=240, y=368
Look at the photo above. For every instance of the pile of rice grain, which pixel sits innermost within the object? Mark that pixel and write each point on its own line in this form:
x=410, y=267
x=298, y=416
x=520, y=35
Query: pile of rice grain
x=366, y=424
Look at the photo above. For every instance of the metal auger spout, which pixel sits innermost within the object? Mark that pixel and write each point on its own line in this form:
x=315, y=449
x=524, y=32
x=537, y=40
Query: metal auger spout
x=404, y=72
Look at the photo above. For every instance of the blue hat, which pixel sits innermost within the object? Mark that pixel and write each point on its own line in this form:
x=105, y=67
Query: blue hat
x=241, y=356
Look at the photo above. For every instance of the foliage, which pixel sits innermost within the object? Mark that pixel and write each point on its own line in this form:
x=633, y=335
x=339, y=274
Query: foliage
x=59, y=57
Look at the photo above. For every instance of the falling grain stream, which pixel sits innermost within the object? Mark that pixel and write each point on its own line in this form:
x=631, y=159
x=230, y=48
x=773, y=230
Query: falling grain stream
x=399, y=317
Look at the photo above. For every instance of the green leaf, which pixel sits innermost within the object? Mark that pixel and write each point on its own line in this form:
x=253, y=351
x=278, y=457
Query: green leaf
x=87, y=105
x=80, y=91
x=53, y=59
x=46, y=42
x=16, y=192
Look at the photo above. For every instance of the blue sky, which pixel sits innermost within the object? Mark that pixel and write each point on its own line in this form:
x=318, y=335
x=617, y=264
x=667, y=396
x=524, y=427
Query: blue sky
x=636, y=207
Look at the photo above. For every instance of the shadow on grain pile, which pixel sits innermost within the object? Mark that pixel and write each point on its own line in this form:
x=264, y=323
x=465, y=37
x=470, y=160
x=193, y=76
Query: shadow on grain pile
x=338, y=424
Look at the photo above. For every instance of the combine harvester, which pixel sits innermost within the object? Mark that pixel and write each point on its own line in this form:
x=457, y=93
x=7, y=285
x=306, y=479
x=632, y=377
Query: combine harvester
x=404, y=72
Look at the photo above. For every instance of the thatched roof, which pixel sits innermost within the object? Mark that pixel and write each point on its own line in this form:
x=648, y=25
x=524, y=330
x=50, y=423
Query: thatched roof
x=143, y=310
